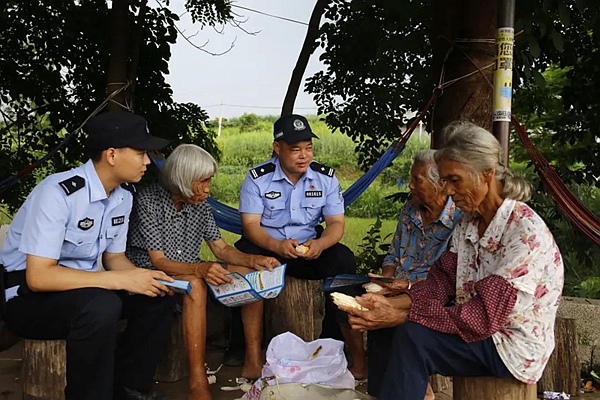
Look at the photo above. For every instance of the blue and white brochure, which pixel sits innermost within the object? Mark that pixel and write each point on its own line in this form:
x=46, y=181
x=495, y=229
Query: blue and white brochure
x=182, y=287
x=251, y=287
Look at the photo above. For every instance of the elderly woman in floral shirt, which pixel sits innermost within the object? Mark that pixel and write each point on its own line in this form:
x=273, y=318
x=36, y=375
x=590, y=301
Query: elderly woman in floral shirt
x=488, y=305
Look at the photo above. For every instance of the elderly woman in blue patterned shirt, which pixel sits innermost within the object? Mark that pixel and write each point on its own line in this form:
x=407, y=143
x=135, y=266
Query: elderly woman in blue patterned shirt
x=424, y=230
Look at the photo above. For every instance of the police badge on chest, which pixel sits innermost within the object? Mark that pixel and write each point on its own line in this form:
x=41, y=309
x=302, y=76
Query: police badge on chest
x=85, y=223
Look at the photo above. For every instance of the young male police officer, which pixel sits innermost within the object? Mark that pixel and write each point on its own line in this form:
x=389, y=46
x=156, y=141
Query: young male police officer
x=51, y=254
x=283, y=201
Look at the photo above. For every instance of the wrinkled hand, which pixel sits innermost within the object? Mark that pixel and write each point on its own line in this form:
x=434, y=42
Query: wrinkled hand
x=212, y=273
x=144, y=281
x=287, y=248
x=315, y=248
x=398, y=286
x=263, y=262
x=382, y=312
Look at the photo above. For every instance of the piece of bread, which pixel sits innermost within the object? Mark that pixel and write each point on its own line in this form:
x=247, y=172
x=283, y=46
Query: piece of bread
x=372, y=287
x=302, y=249
x=341, y=299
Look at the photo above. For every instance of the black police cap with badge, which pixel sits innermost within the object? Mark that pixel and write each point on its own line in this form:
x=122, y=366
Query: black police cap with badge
x=119, y=129
x=292, y=129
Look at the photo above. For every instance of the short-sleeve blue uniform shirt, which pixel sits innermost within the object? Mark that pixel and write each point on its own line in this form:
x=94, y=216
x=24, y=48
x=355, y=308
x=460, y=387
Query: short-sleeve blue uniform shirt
x=68, y=217
x=291, y=211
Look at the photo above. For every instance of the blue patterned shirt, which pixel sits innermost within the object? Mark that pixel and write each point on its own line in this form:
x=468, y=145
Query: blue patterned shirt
x=415, y=247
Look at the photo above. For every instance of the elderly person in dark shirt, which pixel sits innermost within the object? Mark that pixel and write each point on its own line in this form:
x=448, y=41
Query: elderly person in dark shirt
x=424, y=230
x=169, y=221
x=488, y=305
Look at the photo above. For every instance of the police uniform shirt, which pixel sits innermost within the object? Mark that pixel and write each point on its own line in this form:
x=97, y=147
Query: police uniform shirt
x=291, y=211
x=69, y=218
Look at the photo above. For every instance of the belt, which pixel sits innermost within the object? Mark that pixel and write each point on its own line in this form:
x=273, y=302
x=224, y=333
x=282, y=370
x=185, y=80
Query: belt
x=14, y=278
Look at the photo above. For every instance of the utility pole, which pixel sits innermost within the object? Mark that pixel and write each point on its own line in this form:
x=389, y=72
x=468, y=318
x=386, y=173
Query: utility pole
x=220, y=120
x=505, y=37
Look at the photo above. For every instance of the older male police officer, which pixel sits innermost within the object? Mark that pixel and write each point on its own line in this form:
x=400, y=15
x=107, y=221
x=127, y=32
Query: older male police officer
x=54, y=287
x=283, y=201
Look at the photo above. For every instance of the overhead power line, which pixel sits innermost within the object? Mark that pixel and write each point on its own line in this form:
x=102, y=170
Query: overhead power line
x=271, y=15
x=263, y=107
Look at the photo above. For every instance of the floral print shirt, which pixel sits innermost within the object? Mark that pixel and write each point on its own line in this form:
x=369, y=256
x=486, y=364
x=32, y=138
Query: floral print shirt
x=506, y=284
x=415, y=247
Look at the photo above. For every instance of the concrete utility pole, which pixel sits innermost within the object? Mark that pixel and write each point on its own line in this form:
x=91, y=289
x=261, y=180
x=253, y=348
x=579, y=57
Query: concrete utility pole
x=505, y=38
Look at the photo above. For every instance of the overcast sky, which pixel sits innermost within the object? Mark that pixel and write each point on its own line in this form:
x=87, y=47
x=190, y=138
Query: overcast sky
x=253, y=76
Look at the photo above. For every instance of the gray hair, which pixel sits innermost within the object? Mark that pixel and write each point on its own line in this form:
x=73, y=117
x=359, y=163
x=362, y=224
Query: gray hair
x=480, y=151
x=427, y=158
x=186, y=164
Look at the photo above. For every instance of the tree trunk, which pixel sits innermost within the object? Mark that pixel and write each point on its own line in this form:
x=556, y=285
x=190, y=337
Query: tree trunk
x=308, y=47
x=469, y=98
x=490, y=388
x=562, y=373
x=299, y=308
x=117, y=63
x=44, y=369
x=173, y=362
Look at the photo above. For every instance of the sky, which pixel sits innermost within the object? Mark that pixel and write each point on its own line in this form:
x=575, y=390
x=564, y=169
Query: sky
x=254, y=75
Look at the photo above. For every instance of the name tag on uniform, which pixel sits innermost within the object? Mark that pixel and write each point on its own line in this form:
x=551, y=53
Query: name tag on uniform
x=313, y=193
x=120, y=220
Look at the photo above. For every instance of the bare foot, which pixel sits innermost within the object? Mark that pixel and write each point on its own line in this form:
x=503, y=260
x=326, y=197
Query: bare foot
x=200, y=393
x=252, y=370
x=359, y=368
x=429, y=395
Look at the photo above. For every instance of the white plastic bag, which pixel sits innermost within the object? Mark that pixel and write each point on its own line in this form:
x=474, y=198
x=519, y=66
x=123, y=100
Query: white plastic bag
x=295, y=361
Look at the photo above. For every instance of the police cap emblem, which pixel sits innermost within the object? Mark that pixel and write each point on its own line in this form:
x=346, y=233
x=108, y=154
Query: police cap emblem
x=299, y=125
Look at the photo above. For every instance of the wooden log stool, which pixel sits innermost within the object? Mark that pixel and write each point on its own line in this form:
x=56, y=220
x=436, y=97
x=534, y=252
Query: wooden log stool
x=173, y=362
x=44, y=369
x=491, y=388
x=563, y=371
x=299, y=308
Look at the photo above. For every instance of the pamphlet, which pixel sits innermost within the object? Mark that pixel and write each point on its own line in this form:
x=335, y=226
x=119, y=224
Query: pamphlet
x=251, y=287
x=182, y=287
x=341, y=280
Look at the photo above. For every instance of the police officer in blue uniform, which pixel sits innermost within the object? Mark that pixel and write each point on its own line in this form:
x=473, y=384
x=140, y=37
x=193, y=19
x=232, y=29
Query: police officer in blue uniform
x=54, y=286
x=283, y=201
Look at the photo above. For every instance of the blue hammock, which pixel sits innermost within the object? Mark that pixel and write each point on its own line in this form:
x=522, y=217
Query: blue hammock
x=229, y=218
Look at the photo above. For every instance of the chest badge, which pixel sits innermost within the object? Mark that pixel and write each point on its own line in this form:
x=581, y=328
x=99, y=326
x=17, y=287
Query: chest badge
x=120, y=220
x=85, y=223
x=313, y=193
x=272, y=195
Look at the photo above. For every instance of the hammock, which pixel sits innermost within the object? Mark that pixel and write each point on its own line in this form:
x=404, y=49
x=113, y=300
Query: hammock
x=573, y=208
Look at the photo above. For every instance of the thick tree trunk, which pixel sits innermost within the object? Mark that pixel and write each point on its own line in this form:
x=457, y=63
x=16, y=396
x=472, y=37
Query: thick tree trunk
x=469, y=98
x=119, y=45
x=308, y=47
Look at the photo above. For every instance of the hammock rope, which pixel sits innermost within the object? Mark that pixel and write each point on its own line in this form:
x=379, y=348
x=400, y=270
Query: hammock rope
x=573, y=208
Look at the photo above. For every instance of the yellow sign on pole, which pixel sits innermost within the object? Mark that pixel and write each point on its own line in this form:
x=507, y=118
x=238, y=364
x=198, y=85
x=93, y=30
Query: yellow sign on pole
x=503, y=74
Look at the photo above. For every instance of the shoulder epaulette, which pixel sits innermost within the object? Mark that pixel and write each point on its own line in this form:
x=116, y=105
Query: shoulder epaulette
x=130, y=187
x=262, y=170
x=322, y=169
x=72, y=184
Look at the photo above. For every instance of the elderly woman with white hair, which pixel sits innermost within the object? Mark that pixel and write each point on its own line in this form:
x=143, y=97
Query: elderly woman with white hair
x=168, y=223
x=424, y=230
x=488, y=305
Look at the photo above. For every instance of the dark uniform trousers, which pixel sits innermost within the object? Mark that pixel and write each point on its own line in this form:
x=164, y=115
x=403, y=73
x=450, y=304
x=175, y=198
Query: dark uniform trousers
x=87, y=319
x=338, y=259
